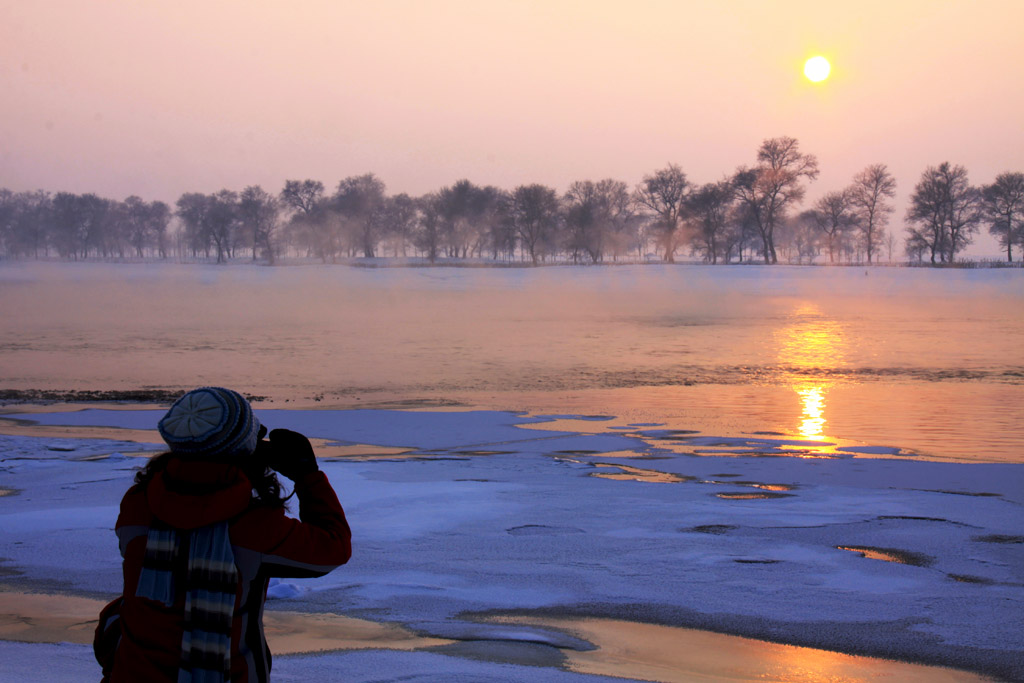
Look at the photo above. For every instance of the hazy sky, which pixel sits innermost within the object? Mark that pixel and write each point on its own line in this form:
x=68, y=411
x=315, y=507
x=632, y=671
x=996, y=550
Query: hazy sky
x=159, y=98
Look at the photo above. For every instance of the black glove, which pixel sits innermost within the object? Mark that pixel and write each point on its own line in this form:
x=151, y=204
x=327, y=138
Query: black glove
x=291, y=454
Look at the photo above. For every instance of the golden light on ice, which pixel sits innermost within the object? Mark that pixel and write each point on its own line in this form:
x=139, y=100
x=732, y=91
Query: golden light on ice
x=817, y=68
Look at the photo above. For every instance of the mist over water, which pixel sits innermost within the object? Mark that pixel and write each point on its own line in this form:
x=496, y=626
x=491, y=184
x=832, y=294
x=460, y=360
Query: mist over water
x=917, y=358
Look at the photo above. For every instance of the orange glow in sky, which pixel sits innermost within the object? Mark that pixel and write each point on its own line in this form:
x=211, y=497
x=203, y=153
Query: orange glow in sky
x=156, y=99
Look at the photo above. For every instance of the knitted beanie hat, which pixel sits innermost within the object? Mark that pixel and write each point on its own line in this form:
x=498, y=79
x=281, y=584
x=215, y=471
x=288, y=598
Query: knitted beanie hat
x=210, y=421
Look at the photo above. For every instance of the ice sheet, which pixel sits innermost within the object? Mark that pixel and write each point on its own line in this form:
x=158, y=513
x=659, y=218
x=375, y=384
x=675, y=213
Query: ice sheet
x=443, y=536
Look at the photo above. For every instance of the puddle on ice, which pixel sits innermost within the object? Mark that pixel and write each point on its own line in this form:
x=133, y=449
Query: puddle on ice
x=753, y=496
x=612, y=454
x=627, y=473
x=679, y=655
x=717, y=529
x=889, y=555
x=330, y=449
x=754, y=484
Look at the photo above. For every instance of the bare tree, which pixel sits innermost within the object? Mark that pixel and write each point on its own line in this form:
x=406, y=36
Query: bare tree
x=25, y=222
x=804, y=235
x=1003, y=206
x=833, y=216
x=664, y=195
x=309, y=223
x=492, y=229
x=458, y=210
x=710, y=207
x=595, y=213
x=79, y=222
x=944, y=212
x=398, y=219
x=533, y=212
x=868, y=194
x=427, y=234
x=192, y=210
x=581, y=221
x=775, y=184
x=303, y=195
x=8, y=211
x=259, y=213
x=138, y=224
x=359, y=200
x=222, y=223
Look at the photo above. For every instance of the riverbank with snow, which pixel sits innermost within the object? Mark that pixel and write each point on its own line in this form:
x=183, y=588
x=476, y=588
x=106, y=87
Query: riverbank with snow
x=464, y=517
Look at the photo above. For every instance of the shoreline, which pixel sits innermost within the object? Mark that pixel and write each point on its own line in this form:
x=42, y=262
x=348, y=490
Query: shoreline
x=604, y=646
x=721, y=528
x=988, y=261
x=692, y=409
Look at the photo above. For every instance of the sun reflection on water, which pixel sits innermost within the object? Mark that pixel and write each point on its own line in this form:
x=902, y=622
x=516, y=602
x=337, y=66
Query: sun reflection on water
x=810, y=346
x=812, y=420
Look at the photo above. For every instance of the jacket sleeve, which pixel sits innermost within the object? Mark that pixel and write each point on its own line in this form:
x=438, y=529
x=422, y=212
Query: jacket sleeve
x=134, y=518
x=312, y=545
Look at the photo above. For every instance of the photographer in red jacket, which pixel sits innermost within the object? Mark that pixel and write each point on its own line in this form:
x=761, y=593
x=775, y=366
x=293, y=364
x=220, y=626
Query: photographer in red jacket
x=201, y=532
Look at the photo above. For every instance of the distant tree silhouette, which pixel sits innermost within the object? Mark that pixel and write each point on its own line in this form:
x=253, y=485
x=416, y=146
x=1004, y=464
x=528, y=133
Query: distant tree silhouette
x=461, y=211
x=302, y=195
x=868, y=194
x=804, y=236
x=308, y=225
x=398, y=221
x=359, y=201
x=944, y=212
x=192, y=210
x=534, y=212
x=595, y=214
x=743, y=218
x=26, y=222
x=710, y=208
x=223, y=222
x=663, y=194
x=769, y=189
x=427, y=232
x=833, y=216
x=143, y=225
x=8, y=211
x=79, y=223
x=1003, y=206
x=259, y=213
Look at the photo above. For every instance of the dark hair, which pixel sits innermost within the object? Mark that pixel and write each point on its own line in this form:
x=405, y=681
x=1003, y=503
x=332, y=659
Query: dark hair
x=266, y=487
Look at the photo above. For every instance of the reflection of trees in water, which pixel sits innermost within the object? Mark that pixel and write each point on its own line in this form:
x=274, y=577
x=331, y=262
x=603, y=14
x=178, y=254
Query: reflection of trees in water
x=811, y=342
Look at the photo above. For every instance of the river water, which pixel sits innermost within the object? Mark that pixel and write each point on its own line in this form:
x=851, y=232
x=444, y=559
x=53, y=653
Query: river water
x=927, y=361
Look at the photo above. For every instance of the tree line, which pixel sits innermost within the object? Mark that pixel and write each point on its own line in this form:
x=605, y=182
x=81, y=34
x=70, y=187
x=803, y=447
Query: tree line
x=750, y=216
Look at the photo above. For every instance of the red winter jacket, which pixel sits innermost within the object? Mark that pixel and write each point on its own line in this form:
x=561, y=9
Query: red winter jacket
x=266, y=543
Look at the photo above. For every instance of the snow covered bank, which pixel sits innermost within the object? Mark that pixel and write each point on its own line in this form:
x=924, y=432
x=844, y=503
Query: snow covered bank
x=488, y=515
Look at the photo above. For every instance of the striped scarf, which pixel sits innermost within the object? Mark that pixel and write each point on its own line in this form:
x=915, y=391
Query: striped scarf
x=211, y=581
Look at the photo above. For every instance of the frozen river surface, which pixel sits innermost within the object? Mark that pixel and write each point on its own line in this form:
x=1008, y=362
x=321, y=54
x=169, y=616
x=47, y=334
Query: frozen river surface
x=922, y=359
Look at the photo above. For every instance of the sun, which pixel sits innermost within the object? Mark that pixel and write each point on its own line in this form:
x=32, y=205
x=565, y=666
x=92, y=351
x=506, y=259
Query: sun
x=817, y=69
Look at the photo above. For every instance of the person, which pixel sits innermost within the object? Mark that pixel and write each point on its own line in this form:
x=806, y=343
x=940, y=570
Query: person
x=202, y=532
